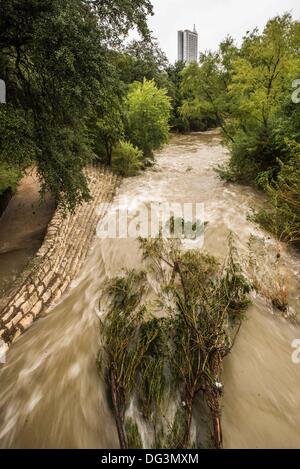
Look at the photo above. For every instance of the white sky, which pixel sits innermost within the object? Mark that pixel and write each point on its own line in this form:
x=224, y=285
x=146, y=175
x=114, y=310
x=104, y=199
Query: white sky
x=214, y=19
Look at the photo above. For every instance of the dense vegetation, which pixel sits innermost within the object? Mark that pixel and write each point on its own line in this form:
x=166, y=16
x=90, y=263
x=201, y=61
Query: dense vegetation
x=148, y=117
x=166, y=355
x=247, y=91
x=9, y=178
x=66, y=92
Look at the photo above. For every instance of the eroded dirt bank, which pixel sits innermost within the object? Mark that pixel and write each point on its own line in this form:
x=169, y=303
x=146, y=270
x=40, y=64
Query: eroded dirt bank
x=22, y=228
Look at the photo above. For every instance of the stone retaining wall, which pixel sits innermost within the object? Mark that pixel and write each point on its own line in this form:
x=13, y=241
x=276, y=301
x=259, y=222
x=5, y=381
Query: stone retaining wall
x=58, y=261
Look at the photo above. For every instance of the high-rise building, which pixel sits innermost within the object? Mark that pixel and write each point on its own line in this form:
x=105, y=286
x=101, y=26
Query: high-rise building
x=180, y=46
x=188, y=46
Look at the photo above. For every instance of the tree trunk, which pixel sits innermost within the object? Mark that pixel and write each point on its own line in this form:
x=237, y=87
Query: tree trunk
x=119, y=412
x=217, y=428
x=108, y=149
x=188, y=421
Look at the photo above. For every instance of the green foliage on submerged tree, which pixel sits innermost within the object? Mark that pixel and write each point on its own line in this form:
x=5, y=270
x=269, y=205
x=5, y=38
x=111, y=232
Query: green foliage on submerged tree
x=165, y=359
x=205, y=86
x=67, y=78
x=178, y=121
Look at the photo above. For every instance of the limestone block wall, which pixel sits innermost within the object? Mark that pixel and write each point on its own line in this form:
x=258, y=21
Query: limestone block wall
x=58, y=261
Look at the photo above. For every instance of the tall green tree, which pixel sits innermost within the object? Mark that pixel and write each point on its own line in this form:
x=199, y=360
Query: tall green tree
x=248, y=92
x=108, y=129
x=148, y=117
x=205, y=87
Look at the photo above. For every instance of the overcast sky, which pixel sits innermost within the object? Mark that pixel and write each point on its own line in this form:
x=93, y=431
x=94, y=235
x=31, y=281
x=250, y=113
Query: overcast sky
x=214, y=19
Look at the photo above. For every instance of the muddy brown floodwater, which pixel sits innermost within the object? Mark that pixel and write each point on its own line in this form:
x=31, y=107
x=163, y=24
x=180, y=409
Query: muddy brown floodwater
x=50, y=394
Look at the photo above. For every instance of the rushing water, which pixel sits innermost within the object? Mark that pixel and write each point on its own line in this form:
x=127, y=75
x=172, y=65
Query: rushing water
x=50, y=393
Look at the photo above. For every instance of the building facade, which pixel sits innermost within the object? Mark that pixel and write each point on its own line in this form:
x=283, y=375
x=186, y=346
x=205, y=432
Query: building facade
x=188, y=46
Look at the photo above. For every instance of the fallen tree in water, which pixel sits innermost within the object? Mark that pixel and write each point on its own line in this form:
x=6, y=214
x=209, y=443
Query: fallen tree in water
x=172, y=350
x=119, y=358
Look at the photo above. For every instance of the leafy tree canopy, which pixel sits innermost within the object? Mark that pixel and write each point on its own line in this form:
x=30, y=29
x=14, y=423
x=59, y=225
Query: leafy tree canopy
x=56, y=62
